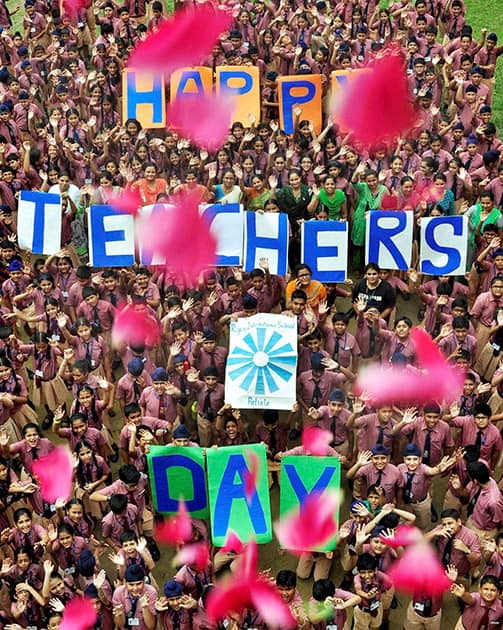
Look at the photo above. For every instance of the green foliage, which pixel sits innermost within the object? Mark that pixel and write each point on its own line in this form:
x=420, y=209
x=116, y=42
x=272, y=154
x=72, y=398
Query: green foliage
x=489, y=14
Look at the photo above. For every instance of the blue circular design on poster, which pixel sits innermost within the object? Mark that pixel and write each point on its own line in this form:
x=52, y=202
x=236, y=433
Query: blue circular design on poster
x=261, y=361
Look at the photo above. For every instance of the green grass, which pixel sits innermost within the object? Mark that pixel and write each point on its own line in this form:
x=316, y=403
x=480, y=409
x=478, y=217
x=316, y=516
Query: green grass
x=489, y=14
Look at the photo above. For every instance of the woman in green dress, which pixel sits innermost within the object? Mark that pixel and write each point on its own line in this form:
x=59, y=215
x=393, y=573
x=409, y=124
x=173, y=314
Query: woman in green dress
x=330, y=198
x=369, y=196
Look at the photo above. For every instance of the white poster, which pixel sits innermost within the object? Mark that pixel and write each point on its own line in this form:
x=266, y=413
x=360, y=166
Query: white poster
x=39, y=222
x=262, y=362
x=444, y=244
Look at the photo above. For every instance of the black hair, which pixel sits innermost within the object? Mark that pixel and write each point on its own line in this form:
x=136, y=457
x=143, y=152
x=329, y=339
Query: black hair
x=286, y=578
x=80, y=472
x=118, y=503
x=450, y=513
x=366, y=562
x=323, y=589
x=129, y=474
x=131, y=408
x=478, y=471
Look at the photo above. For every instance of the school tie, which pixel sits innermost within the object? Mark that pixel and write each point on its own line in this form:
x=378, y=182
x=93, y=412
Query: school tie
x=484, y=621
x=68, y=557
x=315, y=400
x=427, y=448
x=207, y=408
x=394, y=182
x=372, y=342
x=134, y=604
x=212, y=359
x=96, y=317
x=137, y=391
x=184, y=389
x=379, y=478
x=407, y=495
x=380, y=435
x=478, y=439
x=454, y=28
x=113, y=299
x=88, y=352
x=34, y=453
x=162, y=407
x=333, y=425
x=89, y=473
x=337, y=346
x=199, y=585
x=473, y=502
x=175, y=619
x=454, y=186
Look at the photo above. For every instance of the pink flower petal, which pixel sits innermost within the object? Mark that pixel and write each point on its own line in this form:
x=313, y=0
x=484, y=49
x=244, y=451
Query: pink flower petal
x=181, y=41
x=74, y=7
x=136, y=326
x=228, y=596
x=271, y=607
x=127, y=202
x=375, y=109
x=404, y=535
x=203, y=119
x=197, y=555
x=181, y=235
x=79, y=614
x=246, y=589
x=232, y=543
x=434, y=379
x=316, y=441
x=419, y=571
x=176, y=529
x=251, y=475
x=55, y=472
x=311, y=527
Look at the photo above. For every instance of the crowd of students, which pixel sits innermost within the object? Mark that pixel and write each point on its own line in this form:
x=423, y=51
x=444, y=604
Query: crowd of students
x=62, y=380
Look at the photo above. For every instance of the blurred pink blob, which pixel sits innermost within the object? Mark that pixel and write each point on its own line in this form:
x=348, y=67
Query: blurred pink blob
x=316, y=441
x=419, y=571
x=181, y=235
x=184, y=40
x=311, y=527
x=79, y=614
x=176, y=529
x=55, y=472
x=376, y=106
x=203, y=119
x=135, y=325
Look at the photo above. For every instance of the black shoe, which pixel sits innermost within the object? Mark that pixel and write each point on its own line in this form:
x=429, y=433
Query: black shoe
x=111, y=413
x=394, y=603
x=385, y=624
x=115, y=457
x=154, y=549
x=294, y=434
x=434, y=515
x=46, y=423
